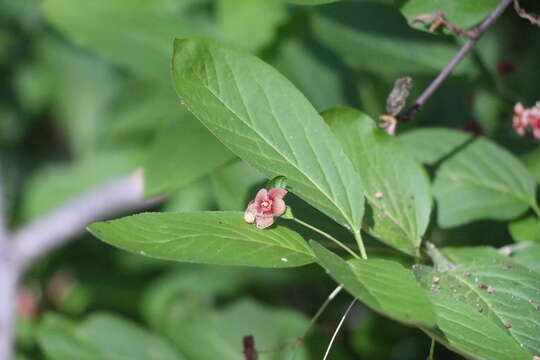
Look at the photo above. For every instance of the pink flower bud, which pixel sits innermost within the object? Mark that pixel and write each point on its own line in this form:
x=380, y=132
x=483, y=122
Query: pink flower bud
x=267, y=205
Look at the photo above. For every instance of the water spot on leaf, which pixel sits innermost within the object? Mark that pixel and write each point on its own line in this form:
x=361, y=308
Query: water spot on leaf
x=284, y=259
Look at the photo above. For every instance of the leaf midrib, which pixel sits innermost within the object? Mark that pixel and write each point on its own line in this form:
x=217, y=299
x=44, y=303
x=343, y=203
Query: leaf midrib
x=315, y=185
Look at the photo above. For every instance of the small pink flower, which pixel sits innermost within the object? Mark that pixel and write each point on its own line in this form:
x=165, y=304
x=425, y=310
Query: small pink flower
x=519, y=121
x=267, y=205
x=527, y=117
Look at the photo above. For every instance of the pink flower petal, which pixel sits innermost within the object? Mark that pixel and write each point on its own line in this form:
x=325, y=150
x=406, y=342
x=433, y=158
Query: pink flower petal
x=277, y=193
x=262, y=195
x=264, y=221
x=278, y=207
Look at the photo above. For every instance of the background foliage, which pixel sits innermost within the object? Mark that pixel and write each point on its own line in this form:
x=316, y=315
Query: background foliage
x=87, y=95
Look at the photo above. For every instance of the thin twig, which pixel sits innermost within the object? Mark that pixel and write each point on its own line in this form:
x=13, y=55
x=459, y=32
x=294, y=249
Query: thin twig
x=533, y=18
x=412, y=110
x=337, y=329
x=328, y=236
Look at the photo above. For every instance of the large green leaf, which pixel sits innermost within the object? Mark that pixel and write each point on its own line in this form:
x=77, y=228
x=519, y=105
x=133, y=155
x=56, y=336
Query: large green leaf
x=265, y=120
x=483, y=181
x=464, y=330
x=101, y=337
x=385, y=286
x=182, y=152
x=136, y=34
x=395, y=185
x=462, y=13
x=505, y=293
x=421, y=145
x=374, y=37
x=222, y=238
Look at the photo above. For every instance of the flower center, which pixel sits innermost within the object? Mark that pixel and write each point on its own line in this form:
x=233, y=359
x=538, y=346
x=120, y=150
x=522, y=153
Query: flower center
x=266, y=205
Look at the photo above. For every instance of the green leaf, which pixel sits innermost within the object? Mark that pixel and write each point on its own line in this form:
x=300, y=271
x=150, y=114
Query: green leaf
x=266, y=121
x=84, y=87
x=527, y=229
x=101, y=337
x=235, y=185
x=505, y=293
x=395, y=186
x=461, y=13
x=135, y=34
x=528, y=256
x=419, y=143
x=221, y=238
x=483, y=181
x=464, y=330
x=374, y=37
x=261, y=17
x=385, y=286
x=182, y=152
x=467, y=254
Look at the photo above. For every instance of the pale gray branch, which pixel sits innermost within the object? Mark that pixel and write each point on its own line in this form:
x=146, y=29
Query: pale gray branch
x=9, y=274
x=3, y=216
x=55, y=229
x=50, y=231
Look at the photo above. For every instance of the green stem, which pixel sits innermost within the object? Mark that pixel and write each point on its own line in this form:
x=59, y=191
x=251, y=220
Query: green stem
x=360, y=243
x=431, y=350
x=328, y=236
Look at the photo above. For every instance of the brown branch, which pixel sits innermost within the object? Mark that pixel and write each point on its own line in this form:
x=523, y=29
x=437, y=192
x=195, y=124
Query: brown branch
x=533, y=18
x=412, y=110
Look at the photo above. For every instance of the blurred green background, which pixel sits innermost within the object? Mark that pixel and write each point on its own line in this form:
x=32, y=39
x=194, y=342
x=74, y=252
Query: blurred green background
x=85, y=95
